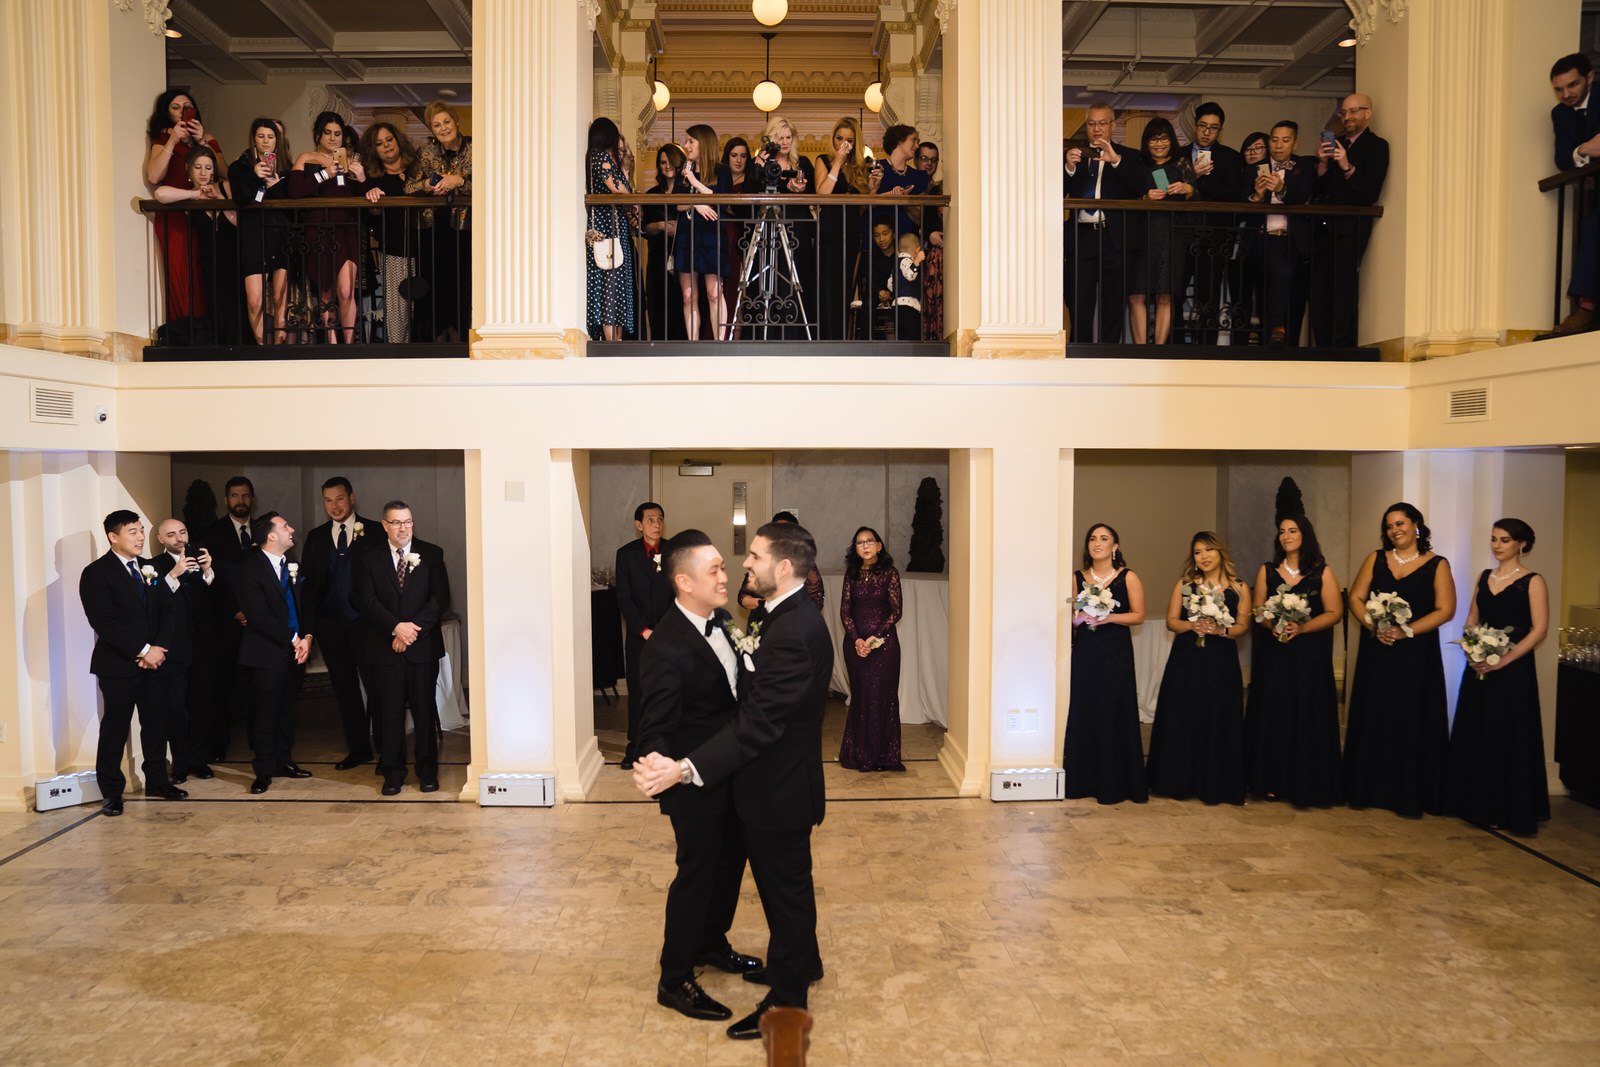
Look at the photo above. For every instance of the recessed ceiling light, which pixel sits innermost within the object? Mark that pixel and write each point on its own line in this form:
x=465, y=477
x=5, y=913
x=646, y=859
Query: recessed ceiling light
x=1348, y=41
x=449, y=94
x=174, y=33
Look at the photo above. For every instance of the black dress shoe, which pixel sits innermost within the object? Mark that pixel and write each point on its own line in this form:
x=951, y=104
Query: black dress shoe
x=260, y=785
x=178, y=777
x=749, y=1028
x=112, y=806
x=759, y=976
x=627, y=763
x=350, y=761
x=687, y=998
x=729, y=961
x=430, y=786
x=290, y=770
x=391, y=789
x=203, y=773
x=166, y=792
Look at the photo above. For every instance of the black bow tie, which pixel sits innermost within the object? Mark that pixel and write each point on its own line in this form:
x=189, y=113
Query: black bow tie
x=711, y=626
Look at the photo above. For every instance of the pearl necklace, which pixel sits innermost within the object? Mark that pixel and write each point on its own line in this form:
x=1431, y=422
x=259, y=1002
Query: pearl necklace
x=1398, y=562
x=1514, y=572
x=1290, y=569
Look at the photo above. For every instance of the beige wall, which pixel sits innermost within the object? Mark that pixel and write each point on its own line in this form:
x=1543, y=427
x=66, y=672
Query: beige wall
x=1155, y=500
x=1581, y=545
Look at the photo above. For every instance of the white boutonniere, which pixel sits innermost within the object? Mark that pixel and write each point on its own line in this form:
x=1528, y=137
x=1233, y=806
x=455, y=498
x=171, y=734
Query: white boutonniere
x=294, y=573
x=743, y=642
x=656, y=559
x=357, y=529
x=149, y=574
x=412, y=560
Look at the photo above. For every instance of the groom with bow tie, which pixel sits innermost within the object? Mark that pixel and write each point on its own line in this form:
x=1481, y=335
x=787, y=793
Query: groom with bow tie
x=689, y=681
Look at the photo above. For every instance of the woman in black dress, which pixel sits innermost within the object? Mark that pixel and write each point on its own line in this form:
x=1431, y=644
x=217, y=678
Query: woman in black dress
x=1155, y=267
x=331, y=170
x=869, y=609
x=697, y=250
x=664, y=312
x=1497, y=766
x=838, y=227
x=1104, y=752
x=1197, y=743
x=1291, y=723
x=255, y=178
x=1394, y=743
x=741, y=181
x=398, y=230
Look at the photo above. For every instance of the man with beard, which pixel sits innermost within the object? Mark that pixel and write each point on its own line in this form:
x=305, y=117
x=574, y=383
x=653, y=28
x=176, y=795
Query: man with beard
x=1350, y=170
x=229, y=540
x=187, y=676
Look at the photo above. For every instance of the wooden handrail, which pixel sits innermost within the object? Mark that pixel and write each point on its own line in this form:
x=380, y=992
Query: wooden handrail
x=1242, y=207
x=786, y=1033
x=306, y=202
x=878, y=200
x=1567, y=177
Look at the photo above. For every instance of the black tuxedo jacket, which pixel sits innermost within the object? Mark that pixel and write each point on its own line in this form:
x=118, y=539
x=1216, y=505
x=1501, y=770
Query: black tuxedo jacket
x=1125, y=181
x=1572, y=129
x=222, y=541
x=384, y=606
x=1226, y=182
x=685, y=701
x=1369, y=157
x=267, y=641
x=324, y=576
x=1299, y=186
x=643, y=592
x=192, y=629
x=773, y=748
x=123, y=620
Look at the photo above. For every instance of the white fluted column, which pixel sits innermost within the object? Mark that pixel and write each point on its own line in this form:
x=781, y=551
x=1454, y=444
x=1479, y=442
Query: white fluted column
x=531, y=87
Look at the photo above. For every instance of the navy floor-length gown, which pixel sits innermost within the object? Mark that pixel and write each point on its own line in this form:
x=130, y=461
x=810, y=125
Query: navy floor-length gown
x=1291, y=722
x=1197, y=742
x=1104, y=753
x=870, y=607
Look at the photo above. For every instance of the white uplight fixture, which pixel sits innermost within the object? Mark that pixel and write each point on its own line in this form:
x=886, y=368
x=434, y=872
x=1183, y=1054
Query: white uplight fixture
x=767, y=96
x=174, y=34
x=873, y=97
x=769, y=12
x=662, y=96
x=1347, y=41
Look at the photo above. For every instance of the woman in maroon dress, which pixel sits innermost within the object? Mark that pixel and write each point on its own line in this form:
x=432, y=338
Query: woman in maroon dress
x=332, y=169
x=174, y=130
x=869, y=610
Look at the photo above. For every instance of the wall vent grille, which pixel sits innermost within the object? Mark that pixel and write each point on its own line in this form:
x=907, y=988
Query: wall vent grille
x=1470, y=404
x=47, y=404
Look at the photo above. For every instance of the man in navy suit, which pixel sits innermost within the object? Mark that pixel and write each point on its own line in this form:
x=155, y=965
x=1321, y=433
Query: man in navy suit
x=328, y=571
x=1577, y=133
x=130, y=609
x=273, y=647
x=643, y=596
x=772, y=754
x=188, y=683
x=404, y=592
x=689, y=679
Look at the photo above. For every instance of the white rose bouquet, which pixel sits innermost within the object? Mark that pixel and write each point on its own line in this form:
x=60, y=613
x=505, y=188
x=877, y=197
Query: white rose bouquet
x=1095, y=601
x=1484, y=644
x=1282, y=608
x=743, y=642
x=1200, y=603
x=1388, y=610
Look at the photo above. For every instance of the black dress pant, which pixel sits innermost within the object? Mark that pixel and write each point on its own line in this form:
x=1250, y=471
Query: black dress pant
x=1336, y=255
x=122, y=696
x=1097, y=282
x=175, y=679
x=272, y=714
x=397, y=683
x=780, y=860
x=343, y=650
x=1284, y=285
x=705, y=893
x=633, y=648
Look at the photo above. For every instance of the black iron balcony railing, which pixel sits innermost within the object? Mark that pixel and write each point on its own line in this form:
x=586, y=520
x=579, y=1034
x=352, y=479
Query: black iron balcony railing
x=1177, y=279
x=1577, y=242
x=769, y=274
x=318, y=278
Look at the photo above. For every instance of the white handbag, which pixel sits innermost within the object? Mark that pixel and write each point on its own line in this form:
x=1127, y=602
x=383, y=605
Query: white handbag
x=607, y=250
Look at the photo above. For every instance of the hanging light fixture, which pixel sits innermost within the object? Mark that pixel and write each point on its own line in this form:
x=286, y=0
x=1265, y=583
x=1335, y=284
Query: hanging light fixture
x=873, y=97
x=767, y=96
x=659, y=94
x=769, y=12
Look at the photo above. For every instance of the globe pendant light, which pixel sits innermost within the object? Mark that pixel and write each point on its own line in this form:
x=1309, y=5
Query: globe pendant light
x=769, y=12
x=767, y=96
x=873, y=97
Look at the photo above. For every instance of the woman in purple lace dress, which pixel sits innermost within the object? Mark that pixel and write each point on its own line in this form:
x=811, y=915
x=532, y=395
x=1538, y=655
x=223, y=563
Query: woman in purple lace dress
x=869, y=610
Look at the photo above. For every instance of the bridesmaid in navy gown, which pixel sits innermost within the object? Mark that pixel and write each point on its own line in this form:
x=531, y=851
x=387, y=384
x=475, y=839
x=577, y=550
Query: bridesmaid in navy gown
x=1104, y=753
x=1197, y=743
x=1394, y=744
x=1291, y=722
x=1497, y=767
x=869, y=609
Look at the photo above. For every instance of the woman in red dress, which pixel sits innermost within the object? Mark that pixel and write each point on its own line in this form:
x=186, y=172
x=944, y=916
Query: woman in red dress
x=174, y=130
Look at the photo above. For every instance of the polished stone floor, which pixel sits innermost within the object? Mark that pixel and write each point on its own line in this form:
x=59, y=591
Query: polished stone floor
x=290, y=929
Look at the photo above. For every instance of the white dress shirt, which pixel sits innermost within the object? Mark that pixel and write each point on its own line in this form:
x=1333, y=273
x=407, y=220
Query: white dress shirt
x=125, y=560
x=718, y=640
x=1578, y=157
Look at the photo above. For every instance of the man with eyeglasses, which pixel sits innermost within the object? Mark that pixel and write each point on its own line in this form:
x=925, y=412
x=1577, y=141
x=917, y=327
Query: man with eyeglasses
x=1577, y=133
x=1219, y=177
x=404, y=592
x=932, y=222
x=1350, y=170
x=1095, y=242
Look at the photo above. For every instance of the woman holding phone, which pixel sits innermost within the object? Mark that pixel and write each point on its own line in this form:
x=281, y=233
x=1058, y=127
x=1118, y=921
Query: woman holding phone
x=256, y=177
x=696, y=253
x=444, y=169
x=394, y=163
x=1153, y=269
x=331, y=170
x=839, y=227
x=174, y=130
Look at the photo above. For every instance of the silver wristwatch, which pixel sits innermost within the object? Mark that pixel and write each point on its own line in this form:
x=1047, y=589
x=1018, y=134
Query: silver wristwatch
x=685, y=772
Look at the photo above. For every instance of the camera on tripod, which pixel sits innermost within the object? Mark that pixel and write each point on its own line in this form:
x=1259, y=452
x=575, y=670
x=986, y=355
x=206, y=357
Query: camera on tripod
x=771, y=172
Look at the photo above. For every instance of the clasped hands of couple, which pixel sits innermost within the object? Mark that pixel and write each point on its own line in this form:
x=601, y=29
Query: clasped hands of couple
x=655, y=773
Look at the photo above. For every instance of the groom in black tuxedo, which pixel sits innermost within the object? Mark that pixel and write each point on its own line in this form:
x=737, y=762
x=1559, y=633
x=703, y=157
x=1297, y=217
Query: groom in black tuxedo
x=772, y=752
x=689, y=678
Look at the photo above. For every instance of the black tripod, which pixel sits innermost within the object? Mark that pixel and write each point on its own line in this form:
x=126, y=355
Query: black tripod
x=769, y=260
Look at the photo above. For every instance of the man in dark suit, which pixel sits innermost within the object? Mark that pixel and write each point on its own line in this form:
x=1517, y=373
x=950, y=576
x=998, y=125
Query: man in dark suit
x=404, y=592
x=689, y=676
x=328, y=571
x=643, y=596
x=772, y=751
x=1577, y=134
x=130, y=610
x=1095, y=242
x=1350, y=170
x=229, y=541
x=187, y=683
x=273, y=647
x=1219, y=177
x=1289, y=179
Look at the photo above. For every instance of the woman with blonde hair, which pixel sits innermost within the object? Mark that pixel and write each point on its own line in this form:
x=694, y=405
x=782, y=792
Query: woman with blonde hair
x=839, y=227
x=1197, y=743
x=444, y=168
x=790, y=310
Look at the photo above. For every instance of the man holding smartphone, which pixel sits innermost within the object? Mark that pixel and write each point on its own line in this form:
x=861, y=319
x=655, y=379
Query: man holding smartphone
x=1095, y=242
x=1350, y=170
x=187, y=678
x=1219, y=177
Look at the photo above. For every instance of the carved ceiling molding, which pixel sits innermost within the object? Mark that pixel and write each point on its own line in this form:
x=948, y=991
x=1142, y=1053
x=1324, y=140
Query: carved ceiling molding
x=1366, y=12
x=156, y=13
x=326, y=98
x=944, y=10
x=590, y=10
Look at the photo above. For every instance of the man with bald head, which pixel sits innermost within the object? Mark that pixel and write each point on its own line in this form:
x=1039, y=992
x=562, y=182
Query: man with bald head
x=1350, y=170
x=187, y=678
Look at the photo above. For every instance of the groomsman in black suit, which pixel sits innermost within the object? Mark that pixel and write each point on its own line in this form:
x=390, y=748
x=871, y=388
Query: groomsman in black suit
x=643, y=596
x=187, y=673
x=130, y=610
x=327, y=568
x=229, y=541
x=273, y=648
x=689, y=675
x=404, y=592
x=772, y=752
